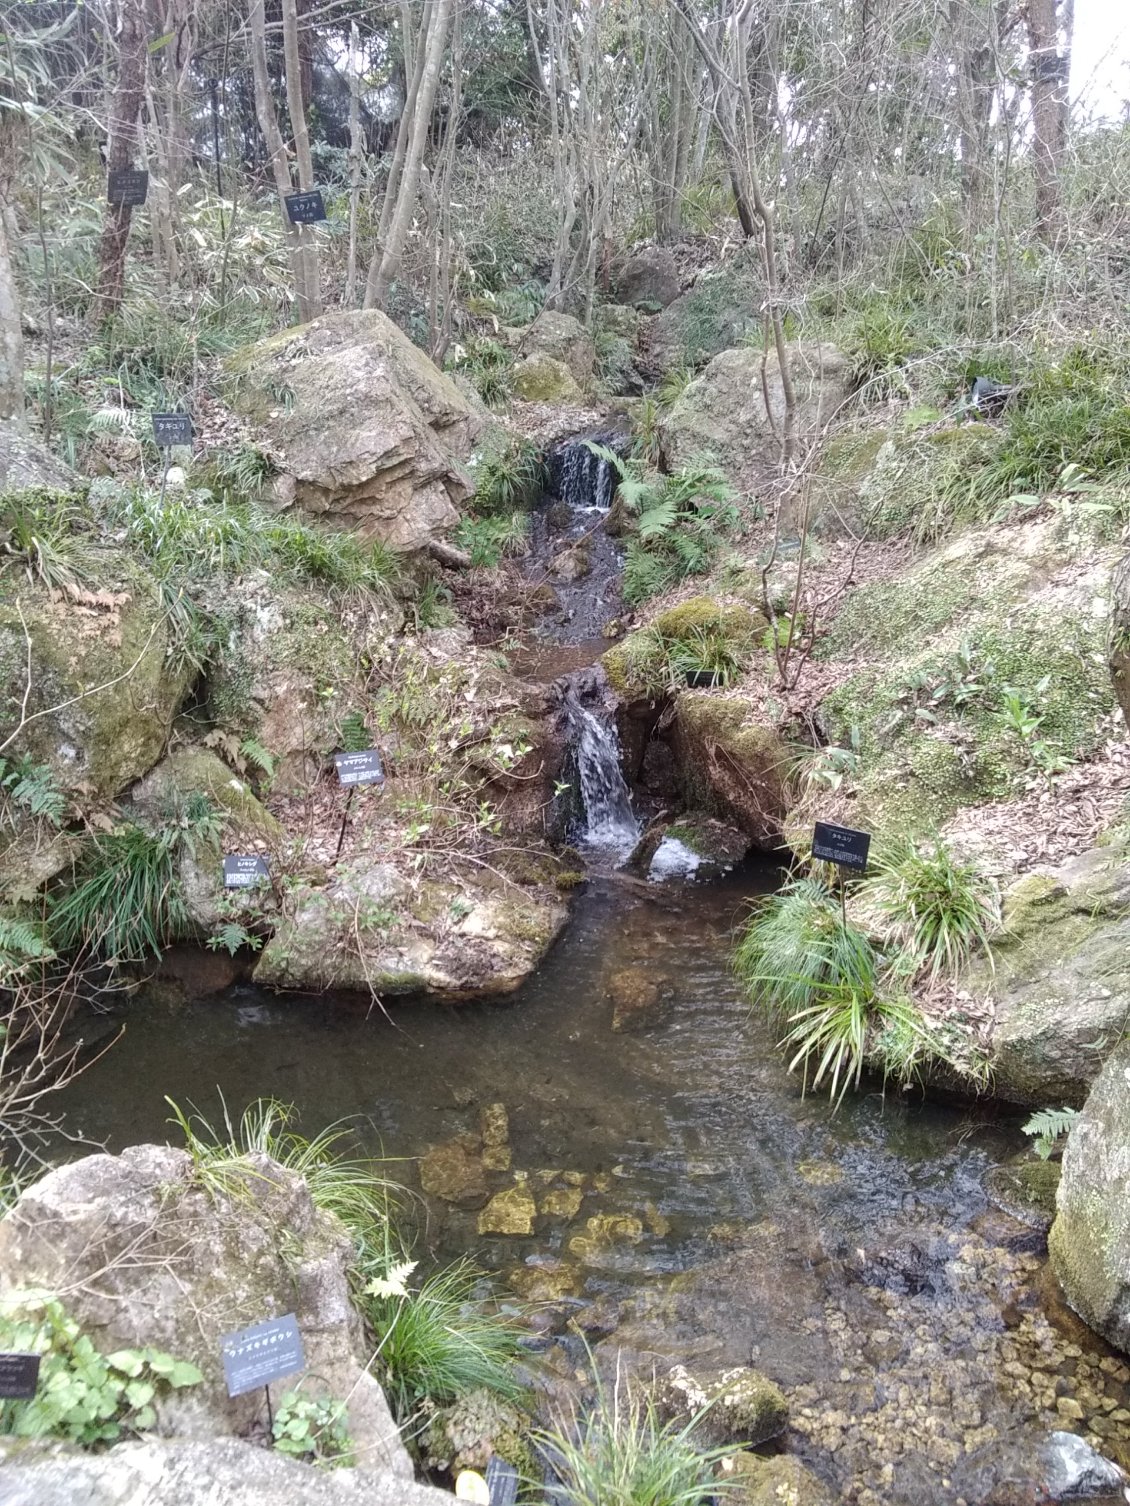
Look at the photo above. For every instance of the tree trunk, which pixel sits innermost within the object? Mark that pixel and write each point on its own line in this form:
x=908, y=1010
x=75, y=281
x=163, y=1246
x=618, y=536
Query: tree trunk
x=356, y=161
x=276, y=150
x=11, y=336
x=1049, y=114
x=307, y=235
x=382, y=274
x=124, y=134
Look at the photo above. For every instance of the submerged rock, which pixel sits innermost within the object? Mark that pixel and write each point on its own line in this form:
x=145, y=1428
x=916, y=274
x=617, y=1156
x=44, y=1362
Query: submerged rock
x=1090, y=1239
x=372, y=435
x=144, y=1254
x=451, y=1172
x=634, y=992
x=511, y=1211
x=745, y=1407
x=780, y=1481
x=163, y=1472
x=494, y=1124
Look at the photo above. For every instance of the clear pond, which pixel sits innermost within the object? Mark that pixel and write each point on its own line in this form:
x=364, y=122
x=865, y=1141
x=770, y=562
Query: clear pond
x=693, y=1202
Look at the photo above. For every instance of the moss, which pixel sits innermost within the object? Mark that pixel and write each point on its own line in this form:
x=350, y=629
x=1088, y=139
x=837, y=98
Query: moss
x=636, y=667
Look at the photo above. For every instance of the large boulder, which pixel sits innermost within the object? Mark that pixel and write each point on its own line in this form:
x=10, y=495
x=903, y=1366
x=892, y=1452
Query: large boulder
x=363, y=429
x=104, y=686
x=144, y=1254
x=26, y=462
x=561, y=338
x=730, y=765
x=649, y=279
x=156, y=1472
x=372, y=927
x=541, y=378
x=1090, y=1239
x=723, y=412
x=247, y=827
x=1059, y=979
x=721, y=310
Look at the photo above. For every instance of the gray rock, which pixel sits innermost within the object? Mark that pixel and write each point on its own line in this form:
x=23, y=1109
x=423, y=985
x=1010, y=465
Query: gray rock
x=561, y=338
x=737, y=1406
x=723, y=411
x=26, y=462
x=541, y=378
x=364, y=430
x=1059, y=979
x=142, y=1254
x=1090, y=1239
x=1074, y=1470
x=650, y=277
x=492, y=947
x=160, y=1473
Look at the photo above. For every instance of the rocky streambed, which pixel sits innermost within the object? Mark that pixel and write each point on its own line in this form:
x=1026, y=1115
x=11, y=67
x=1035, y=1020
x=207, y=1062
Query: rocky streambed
x=621, y=1143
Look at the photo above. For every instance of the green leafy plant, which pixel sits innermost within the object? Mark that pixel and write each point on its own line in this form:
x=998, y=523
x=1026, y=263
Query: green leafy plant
x=46, y=535
x=127, y=902
x=231, y=936
x=437, y=1342
x=22, y=945
x=490, y=366
x=1047, y=1127
x=509, y=478
x=84, y=1396
x=491, y=539
x=796, y=944
x=941, y=911
x=314, y=1429
x=619, y=1452
x=32, y=789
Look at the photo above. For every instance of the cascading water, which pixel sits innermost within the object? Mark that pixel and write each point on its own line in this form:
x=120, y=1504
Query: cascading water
x=572, y=551
x=583, y=480
x=611, y=827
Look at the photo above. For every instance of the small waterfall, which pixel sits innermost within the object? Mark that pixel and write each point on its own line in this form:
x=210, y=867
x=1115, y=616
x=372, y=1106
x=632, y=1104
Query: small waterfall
x=585, y=482
x=610, y=825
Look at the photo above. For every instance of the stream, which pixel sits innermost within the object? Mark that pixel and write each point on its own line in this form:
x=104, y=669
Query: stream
x=697, y=1205
x=621, y=1143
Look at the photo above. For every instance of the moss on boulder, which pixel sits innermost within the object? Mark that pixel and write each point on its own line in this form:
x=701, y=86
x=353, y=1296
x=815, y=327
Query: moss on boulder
x=1090, y=1239
x=107, y=666
x=731, y=767
x=542, y=378
x=740, y=1406
x=1058, y=978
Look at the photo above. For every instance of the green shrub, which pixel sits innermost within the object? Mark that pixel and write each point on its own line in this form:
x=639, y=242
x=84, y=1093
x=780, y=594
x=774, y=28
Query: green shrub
x=508, y=478
x=489, y=366
x=84, y=1396
x=491, y=539
x=46, y=534
x=1047, y=1128
x=620, y=1453
x=796, y=944
x=940, y=910
x=127, y=902
x=878, y=345
x=314, y=1429
x=437, y=1342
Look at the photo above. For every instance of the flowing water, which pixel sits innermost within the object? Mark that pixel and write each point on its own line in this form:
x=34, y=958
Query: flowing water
x=691, y=1201
x=611, y=828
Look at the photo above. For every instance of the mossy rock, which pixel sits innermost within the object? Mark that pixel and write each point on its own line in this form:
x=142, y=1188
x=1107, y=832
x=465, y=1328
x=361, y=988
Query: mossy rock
x=779, y=1481
x=480, y=1424
x=105, y=738
x=704, y=613
x=739, y=1406
x=730, y=766
x=544, y=379
x=1090, y=1239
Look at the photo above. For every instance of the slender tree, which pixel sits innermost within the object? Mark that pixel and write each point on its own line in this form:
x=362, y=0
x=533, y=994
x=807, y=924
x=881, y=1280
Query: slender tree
x=123, y=151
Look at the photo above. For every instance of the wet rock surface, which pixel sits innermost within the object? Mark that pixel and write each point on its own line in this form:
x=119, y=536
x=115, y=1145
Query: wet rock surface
x=1090, y=1239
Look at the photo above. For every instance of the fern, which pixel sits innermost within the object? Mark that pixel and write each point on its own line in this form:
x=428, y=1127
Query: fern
x=32, y=786
x=1047, y=1126
x=20, y=943
x=659, y=518
x=258, y=756
x=354, y=733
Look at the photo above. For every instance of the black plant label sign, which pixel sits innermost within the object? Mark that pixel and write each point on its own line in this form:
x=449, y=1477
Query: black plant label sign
x=305, y=208
x=360, y=768
x=841, y=844
x=263, y=1353
x=19, y=1375
x=245, y=870
x=171, y=428
x=502, y=1482
x=127, y=186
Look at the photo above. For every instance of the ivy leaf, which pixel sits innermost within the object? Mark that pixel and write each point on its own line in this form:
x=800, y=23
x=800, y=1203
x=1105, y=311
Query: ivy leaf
x=139, y=1393
x=129, y=1361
